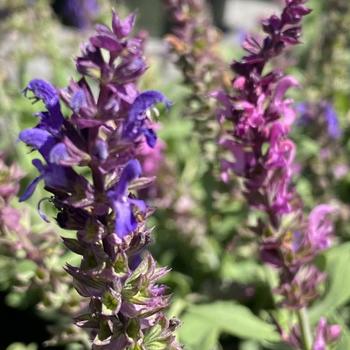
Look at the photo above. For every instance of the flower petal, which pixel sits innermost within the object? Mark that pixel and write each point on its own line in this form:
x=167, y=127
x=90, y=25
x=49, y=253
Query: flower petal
x=35, y=137
x=30, y=189
x=131, y=171
x=125, y=221
x=78, y=100
x=44, y=91
x=151, y=137
x=146, y=100
x=122, y=28
x=139, y=203
x=58, y=153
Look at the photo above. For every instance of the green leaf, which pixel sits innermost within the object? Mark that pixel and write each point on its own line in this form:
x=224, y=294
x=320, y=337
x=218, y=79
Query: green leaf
x=337, y=267
x=203, y=324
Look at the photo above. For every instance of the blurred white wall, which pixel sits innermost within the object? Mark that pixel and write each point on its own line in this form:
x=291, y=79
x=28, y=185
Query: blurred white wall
x=244, y=14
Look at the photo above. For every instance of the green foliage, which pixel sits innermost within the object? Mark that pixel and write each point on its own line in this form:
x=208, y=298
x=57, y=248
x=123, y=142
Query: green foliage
x=20, y=346
x=208, y=246
x=204, y=323
x=336, y=263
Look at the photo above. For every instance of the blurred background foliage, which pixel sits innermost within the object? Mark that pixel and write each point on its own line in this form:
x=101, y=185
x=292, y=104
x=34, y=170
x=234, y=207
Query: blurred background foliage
x=220, y=291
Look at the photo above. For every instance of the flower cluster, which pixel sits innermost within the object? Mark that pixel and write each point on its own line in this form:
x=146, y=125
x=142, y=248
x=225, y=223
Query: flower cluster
x=91, y=169
x=262, y=155
x=194, y=43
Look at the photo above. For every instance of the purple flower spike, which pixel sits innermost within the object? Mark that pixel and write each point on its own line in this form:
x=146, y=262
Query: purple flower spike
x=262, y=116
x=193, y=42
x=103, y=134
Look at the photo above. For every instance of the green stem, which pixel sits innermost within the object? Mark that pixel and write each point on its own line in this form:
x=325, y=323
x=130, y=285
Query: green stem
x=305, y=328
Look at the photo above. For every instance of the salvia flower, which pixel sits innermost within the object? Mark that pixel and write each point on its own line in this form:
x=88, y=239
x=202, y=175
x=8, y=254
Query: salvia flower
x=193, y=42
x=103, y=134
x=262, y=155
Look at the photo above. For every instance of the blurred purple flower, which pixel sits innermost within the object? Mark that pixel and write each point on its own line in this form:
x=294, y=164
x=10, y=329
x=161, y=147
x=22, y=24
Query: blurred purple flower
x=76, y=13
x=320, y=227
x=325, y=335
x=309, y=115
x=331, y=116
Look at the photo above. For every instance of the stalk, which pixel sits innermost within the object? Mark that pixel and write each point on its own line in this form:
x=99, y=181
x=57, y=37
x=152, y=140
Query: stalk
x=305, y=328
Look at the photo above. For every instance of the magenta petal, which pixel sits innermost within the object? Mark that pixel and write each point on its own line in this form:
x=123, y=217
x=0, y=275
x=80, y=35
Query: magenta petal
x=282, y=87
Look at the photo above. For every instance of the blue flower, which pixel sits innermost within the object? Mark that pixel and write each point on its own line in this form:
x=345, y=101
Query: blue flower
x=125, y=221
x=303, y=110
x=38, y=139
x=44, y=91
x=56, y=178
x=331, y=116
x=136, y=122
x=44, y=136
